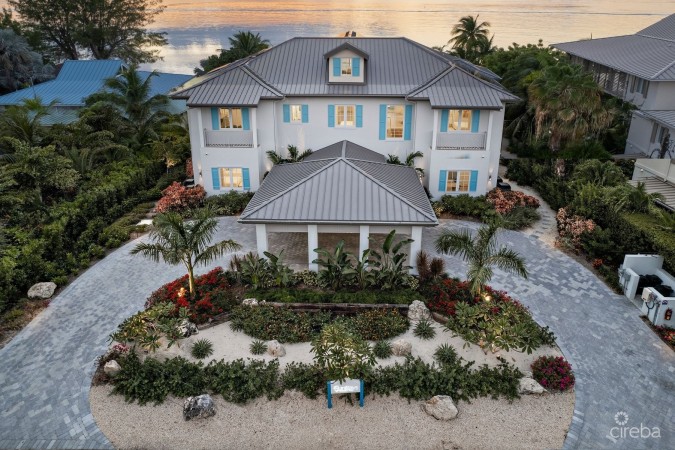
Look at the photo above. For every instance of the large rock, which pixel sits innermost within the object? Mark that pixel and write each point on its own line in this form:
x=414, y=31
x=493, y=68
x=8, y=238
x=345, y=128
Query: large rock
x=42, y=290
x=530, y=386
x=418, y=311
x=441, y=407
x=199, y=407
x=250, y=302
x=111, y=368
x=274, y=348
x=401, y=347
x=187, y=328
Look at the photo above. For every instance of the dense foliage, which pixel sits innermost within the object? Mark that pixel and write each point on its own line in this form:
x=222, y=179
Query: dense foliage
x=228, y=204
x=242, y=44
x=340, y=353
x=305, y=295
x=553, y=373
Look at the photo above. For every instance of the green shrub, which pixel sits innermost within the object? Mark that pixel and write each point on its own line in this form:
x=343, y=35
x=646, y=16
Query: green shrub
x=424, y=330
x=446, y=355
x=239, y=382
x=203, y=348
x=113, y=236
x=309, y=379
x=377, y=324
x=258, y=347
x=382, y=349
x=341, y=353
x=520, y=217
x=463, y=205
x=298, y=295
x=228, y=204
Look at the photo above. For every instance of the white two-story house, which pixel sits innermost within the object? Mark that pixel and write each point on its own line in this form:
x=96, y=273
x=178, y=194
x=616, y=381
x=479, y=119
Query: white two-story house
x=390, y=95
x=638, y=68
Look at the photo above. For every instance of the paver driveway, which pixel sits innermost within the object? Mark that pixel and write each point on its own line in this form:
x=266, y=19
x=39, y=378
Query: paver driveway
x=45, y=371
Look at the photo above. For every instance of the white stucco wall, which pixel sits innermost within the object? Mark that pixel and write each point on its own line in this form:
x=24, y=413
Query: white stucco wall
x=660, y=96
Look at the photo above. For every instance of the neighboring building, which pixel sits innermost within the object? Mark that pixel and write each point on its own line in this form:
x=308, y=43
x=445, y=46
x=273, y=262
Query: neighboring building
x=640, y=69
x=390, y=95
x=77, y=80
x=658, y=177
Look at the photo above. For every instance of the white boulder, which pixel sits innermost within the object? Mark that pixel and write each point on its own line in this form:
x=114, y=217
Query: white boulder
x=274, y=348
x=111, y=368
x=42, y=290
x=199, y=407
x=530, y=386
x=401, y=347
x=418, y=311
x=250, y=302
x=441, y=407
x=187, y=328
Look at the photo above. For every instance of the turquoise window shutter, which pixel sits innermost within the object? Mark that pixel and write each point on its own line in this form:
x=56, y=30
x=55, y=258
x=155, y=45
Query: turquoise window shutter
x=475, y=120
x=444, y=121
x=356, y=67
x=331, y=116
x=337, y=67
x=215, y=118
x=215, y=175
x=245, y=119
x=305, y=114
x=287, y=113
x=442, y=180
x=246, y=179
x=473, y=181
x=407, y=130
x=359, y=116
x=383, y=122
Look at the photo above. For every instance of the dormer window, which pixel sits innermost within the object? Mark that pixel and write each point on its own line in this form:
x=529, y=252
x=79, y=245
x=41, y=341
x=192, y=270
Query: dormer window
x=346, y=64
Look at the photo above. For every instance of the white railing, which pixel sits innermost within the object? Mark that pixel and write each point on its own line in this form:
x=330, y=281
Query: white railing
x=227, y=138
x=460, y=140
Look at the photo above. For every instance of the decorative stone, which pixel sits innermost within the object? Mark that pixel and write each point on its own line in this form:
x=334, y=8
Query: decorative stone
x=199, y=407
x=111, y=368
x=530, y=386
x=441, y=407
x=250, y=302
x=274, y=348
x=187, y=328
x=401, y=347
x=42, y=290
x=418, y=311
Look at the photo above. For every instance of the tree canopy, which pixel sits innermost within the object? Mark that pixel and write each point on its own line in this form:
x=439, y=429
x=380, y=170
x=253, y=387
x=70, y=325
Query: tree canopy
x=101, y=29
x=242, y=44
x=471, y=39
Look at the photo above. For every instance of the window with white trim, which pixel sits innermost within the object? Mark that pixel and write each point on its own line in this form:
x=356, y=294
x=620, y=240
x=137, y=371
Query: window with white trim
x=395, y=121
x=346, y=66
x=231, y=177
x=296, y=113
x=459, y=120
x=345, y=116
x=231, y=118
x=457, y=181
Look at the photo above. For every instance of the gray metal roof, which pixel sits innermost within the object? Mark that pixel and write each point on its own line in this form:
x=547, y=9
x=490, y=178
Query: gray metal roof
x=341, y=190
x=648, y=54
x=298, y=67
x=455, y=88
x=666, y=118
x=346, y=149
x=655, y=185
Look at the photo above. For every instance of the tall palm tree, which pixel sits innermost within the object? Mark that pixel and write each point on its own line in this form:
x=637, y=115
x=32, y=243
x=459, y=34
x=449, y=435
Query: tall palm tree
x=481, y=254
x=185, y=241
x=294, y=155
x=24, y=121
x=409, y=161
x=130, y=94
x=470, y=39
x=246, y=43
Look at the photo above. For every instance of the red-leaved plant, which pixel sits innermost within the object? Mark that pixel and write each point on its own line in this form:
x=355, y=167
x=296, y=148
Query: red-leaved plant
x=553, y=373
x=446, y=294
x=505, y=201
x=180, y=198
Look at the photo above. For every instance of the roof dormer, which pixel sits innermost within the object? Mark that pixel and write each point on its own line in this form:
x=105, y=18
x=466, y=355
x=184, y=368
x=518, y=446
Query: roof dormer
x=346, y=64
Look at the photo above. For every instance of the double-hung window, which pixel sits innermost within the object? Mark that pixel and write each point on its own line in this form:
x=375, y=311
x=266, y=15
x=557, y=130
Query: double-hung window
x=457, y=181
x=345, y=116
x=459, y=120
x=395, y=121
x=296, y=113
x=231, y=118
x=346, y=66
x=231, y=178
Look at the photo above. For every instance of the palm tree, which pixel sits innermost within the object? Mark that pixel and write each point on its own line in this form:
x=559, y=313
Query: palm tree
x=130, y=94
x=245, y=43
x=24, y=121
x=294, y=155
x=179, y=241
x=409, y=161
x=470, y=39
x=481, y=254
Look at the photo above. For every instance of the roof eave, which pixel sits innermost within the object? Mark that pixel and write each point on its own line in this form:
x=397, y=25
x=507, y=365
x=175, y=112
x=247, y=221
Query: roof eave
x=336, y=222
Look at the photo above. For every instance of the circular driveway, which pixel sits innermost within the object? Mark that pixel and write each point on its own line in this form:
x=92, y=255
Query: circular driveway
x=620, y=365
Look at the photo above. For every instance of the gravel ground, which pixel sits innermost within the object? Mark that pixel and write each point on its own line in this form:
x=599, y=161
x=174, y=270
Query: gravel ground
x=295, y=422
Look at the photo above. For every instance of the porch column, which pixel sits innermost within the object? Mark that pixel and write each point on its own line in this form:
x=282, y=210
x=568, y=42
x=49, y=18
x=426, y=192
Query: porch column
x=415, y=247
x=254, y=126
x=364, y=241
x=261, y=238
x=312, y=243
x=434, y=132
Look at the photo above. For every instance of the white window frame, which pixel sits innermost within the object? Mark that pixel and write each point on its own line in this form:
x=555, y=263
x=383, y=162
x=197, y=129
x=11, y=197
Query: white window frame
x=388, y=127
x=460, y=177
x=228, y=172
x=460, y=120
x=345, y=116
x=295, y=113
x=229, y=112
x=346, y=69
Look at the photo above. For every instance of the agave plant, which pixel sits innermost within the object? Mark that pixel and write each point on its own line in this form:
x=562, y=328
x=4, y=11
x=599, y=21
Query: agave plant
x=337, y=266
x=390, y=262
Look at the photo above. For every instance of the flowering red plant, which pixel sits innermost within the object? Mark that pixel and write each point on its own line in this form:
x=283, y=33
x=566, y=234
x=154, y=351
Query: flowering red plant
x=597, y=262
x=446, y=294
x=570, y=228
x=179, y=198
x=553, y=372
x=505, y=201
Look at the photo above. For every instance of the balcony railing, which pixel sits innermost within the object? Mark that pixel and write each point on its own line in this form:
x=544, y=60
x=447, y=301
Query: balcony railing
x=227, y=138
x=459, y=140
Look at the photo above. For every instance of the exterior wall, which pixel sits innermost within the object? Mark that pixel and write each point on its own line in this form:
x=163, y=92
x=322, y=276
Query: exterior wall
x=660, y=96
x=663, y=169
x=640, y=137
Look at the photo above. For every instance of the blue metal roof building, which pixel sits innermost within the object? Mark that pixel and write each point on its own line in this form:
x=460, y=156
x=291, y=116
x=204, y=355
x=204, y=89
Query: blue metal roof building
x=77, y=80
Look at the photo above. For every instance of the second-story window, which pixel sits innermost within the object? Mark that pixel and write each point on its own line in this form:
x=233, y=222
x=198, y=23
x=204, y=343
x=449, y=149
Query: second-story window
x=346, y=66
x=231, y=118
x=296, y=113
x=395, y=118
x=345, y=116
x=459, y=120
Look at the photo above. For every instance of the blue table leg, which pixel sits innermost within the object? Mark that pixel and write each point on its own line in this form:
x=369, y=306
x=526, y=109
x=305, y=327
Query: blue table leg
x=328, y=395
x=361, y=394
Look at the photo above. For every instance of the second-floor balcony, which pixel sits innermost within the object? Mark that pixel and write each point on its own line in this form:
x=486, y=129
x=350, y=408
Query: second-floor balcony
x=228, y=138
x=461, y=140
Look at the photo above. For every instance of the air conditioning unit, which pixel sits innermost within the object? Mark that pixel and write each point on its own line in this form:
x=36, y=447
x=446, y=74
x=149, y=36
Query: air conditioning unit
x=647, y=294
